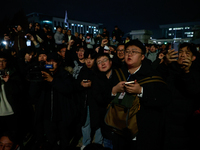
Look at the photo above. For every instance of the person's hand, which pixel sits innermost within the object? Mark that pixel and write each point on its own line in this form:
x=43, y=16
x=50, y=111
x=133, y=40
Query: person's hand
x=97, y=49
x=104, y=42
x=118, y=88
x=5, y=77
x=71, y=42
x=171, y=56
x=133, y=88
x=161, y=55
x=15, y=30
x=86, y=84
x=187, y=62
x=30, y=36
x=47, y=76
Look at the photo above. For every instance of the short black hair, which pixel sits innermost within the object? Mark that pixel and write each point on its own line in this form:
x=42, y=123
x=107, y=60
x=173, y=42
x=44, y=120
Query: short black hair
x=190, y=46
x=101, y=55
x=136, y=43
x=90, y=52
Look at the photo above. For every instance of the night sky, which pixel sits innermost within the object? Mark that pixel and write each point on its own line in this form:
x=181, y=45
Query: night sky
x=127, y=14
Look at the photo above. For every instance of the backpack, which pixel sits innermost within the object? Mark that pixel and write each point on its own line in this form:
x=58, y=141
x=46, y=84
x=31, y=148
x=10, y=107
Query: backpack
x=121, y=113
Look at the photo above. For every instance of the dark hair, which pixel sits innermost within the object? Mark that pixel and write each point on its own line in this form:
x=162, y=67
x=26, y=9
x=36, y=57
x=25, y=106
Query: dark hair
x=90, y=52
x=190, y=46
x=121, y=44
x=78, y=48
x=136, y=43
x=13, y=137
x=58, y=27
x=4, y=55
x=101, y=55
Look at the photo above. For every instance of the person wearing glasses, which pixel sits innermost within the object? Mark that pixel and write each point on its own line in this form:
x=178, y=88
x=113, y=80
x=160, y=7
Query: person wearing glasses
x=153, y=97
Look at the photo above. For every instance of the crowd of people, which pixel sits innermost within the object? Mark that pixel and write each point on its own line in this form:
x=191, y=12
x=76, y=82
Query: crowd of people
x=56, y=87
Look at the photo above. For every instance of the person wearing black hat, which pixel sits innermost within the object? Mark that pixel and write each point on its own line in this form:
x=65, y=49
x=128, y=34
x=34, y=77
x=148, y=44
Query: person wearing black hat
x=153, y=98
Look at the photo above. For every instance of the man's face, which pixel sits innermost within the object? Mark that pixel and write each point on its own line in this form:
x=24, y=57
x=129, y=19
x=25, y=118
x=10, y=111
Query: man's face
x=3, y=63
x=152, y=49
x=19, y=28
x=59, y=29
x=103, y=64
x=62, y=52
x=89, y=62
x=42, y=57
x=37, y=27
x=80, y=53
x=28, y=57
x=185, y=53
x=69, y=32
x=52, y=62
x=120, y=52
x=133, y=56
x=5, y=143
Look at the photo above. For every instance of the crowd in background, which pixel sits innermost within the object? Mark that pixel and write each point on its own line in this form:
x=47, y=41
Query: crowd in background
x=55, y=88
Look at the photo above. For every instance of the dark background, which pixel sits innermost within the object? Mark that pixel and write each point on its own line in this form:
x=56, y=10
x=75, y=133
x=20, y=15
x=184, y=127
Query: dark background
x=127, y=14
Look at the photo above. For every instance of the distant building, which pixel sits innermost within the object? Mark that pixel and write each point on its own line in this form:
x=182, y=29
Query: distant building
x=74, y=25
x=179, y=30
x=142, y=35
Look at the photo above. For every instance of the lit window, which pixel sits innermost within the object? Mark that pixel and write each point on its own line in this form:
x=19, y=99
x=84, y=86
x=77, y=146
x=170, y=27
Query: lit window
x=89, y=26
x=189, y=35
x=81, y=25
x=189, y=32
x=94, y=27
x=78, y=25
x=94, y=32
x=179, y=28
x=170, y=28
x=87, y=31
x=72, y=24
x=187, y=27
x=54, y=28
x=169, y=34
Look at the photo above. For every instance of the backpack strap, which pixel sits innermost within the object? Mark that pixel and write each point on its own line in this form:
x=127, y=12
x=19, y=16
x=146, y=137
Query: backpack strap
x=151, y=79
x=120, y=74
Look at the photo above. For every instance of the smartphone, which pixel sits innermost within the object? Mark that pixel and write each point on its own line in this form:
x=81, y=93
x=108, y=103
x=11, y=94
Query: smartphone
x=175, y=46
x=48, y=66
x=130, y=82
x=85, y=81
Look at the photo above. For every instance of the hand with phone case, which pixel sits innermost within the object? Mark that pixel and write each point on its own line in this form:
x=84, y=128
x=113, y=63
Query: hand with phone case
x=134, y=88
x=86, y=83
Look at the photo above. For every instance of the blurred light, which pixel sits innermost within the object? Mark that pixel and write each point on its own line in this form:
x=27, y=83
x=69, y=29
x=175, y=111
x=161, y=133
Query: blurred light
x=47, y=21
x=81, y=25
x=54, y=28
x=4, y=42
x=72, y=24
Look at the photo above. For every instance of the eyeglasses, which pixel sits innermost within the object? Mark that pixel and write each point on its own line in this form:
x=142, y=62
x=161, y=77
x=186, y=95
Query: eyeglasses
x=103, y=61
x=132, y=52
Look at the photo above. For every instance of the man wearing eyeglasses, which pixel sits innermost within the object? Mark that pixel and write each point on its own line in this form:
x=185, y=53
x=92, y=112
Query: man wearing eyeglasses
x=153, y=98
